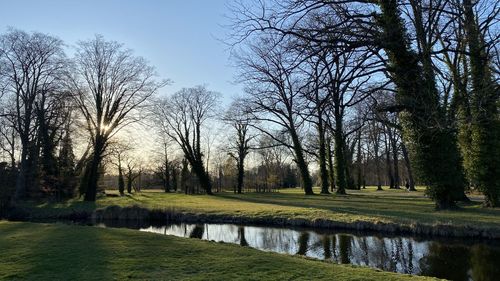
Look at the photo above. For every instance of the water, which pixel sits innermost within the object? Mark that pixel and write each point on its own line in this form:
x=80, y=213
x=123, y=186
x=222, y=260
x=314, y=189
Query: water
x=454, y=259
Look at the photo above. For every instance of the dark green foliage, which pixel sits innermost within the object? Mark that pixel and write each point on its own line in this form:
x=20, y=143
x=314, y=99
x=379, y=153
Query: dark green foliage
x=129, y=186
x=7, y=186
x=483, y=162
x=184, y=176
x=121, y=181
x=67, y=175
x=174, y=173
x=430, y=138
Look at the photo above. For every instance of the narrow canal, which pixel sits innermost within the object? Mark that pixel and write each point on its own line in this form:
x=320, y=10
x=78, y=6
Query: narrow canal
x=453, y=259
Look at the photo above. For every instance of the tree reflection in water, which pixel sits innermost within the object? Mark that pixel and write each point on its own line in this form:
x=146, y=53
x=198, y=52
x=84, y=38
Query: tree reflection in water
x=345, y=248
x=327, y=247
x=303, y=240
x=485, y=263
x=449, y=259
x=197, y=231
x=443, y=261
x=241, y=236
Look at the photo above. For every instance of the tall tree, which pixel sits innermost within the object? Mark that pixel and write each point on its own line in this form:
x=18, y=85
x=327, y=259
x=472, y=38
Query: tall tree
x=425, y=126
x=110, y=85
x=274, y=85
x=319, y=99
x=184, y=115
x=485, y=121
x=67, y=165
x=239, y=119
x=374, y=133
x=347, y=75
x=379, y=25
x=32, y=67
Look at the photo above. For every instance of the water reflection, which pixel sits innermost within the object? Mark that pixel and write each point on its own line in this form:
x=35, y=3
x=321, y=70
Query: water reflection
x=449, y=259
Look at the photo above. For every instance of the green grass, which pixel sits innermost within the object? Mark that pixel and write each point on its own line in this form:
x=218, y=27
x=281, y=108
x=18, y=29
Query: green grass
x=67, y=252
x=390, y=206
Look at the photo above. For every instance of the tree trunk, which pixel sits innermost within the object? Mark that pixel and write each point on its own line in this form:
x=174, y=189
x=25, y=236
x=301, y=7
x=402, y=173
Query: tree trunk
x=301, y=163
x=411, y=181
x=340, y=165
x=241, y=174
x=121, y=181
x=434, y=143
x=25, y=176
x=129, y=182
x=359, y=171
x=485, y=127
x=90, y=179
x=21, y=176
x=395, y=160
x=203, y=177
x=377, y=162
x=91, y=173
x=331, y=172
x=174, y=178
x=388, y=163
x=322, y=158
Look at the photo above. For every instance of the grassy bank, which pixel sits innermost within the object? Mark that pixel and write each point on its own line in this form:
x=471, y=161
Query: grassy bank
x=386, y=209
x=65, y=252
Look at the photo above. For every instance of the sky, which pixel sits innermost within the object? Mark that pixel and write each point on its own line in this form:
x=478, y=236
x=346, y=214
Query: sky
x=181, y=38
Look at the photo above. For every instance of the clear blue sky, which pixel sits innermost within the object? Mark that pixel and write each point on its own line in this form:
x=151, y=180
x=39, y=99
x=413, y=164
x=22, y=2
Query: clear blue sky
x=178, y=37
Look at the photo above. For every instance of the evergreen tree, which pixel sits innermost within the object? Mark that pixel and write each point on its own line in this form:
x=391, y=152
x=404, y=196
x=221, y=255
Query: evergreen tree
x=67, y=174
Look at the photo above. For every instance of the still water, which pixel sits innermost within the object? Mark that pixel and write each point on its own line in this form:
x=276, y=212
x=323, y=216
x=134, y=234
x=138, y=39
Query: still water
x=462, y=259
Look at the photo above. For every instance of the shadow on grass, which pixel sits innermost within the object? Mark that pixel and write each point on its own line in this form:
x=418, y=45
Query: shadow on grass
x=397, y=208
x=54, y=252
x=71, y=209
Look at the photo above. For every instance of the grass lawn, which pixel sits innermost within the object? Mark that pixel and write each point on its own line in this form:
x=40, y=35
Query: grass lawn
x=67, y=252
x=396, y=206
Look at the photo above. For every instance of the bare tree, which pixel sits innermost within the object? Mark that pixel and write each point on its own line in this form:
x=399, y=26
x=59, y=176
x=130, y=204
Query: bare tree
x=134, y=172
x=110, y=85
x=380, y=25
x=374, y=135
x=184, y=114
x=164, y=170
x=118, y=151
x=31, y=69
x=275, y=84
x=239, y=119
x=347, y=80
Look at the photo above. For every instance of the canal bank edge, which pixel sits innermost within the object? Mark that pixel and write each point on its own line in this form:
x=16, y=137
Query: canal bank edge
x=136, y=213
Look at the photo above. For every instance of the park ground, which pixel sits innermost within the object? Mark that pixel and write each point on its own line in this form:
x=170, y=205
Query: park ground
x=33, y=251
x=398, y=207
x=69, y=252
